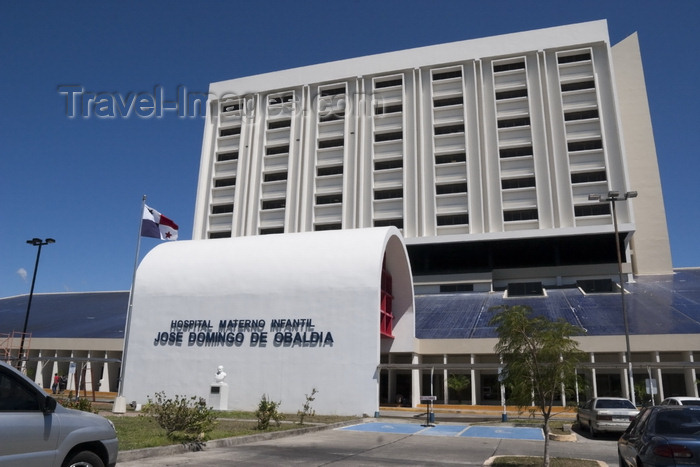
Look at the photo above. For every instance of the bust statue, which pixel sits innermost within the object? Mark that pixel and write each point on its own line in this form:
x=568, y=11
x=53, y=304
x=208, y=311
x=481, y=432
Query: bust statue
x=220, y=375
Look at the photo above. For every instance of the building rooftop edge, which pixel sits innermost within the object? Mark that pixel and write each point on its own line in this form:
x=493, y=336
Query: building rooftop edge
x=503, y=44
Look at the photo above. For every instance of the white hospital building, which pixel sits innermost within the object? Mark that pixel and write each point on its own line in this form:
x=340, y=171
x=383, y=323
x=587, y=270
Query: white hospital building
x=392, y=201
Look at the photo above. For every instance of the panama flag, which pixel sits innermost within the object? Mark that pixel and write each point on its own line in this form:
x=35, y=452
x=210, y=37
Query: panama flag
x=156, y=225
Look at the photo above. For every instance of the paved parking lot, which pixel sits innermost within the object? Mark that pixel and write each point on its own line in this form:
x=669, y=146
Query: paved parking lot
x=385, y=444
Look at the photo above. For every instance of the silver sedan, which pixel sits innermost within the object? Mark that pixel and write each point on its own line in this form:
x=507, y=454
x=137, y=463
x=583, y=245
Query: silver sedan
x=606, y=414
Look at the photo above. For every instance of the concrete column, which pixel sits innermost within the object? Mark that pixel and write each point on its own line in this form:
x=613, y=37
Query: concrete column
x=445, y=389
x=659, y=382
x=594, y=384
x=691, y=387
x=104, y=381
x=415, y=381
x=624, y=377
x=472, y=386
x=88, y=374
x=39, y=375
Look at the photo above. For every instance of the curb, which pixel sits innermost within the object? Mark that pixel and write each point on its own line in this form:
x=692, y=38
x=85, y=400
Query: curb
x=136, y=454
x=493, y=459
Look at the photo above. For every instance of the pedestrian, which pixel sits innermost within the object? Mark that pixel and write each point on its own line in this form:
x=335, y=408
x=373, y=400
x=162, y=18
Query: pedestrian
x=56, y=381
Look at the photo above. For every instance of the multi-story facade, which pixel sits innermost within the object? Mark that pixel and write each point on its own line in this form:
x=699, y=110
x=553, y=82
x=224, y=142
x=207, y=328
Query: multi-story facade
x=483, y=153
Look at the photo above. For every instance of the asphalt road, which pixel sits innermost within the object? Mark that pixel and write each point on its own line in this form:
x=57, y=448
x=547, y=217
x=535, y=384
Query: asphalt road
x=338, y=447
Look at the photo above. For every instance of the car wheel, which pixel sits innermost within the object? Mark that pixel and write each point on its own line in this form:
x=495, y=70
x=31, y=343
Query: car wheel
x=591, y=430
x=84, y=459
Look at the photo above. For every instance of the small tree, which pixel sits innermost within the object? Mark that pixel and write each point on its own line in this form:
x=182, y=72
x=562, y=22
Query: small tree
x=307, y=410
x=459, y=384
x=539, y=359
x=268, y=410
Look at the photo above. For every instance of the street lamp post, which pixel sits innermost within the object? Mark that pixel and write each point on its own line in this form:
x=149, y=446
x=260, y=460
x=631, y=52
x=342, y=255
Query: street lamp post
x=36, y=242
x=613, y=197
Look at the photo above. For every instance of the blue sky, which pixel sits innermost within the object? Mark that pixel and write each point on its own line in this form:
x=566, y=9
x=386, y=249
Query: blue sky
x=80, y=180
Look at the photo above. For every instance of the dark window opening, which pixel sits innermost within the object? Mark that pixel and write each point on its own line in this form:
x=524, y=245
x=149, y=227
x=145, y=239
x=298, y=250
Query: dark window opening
x=585, y=145
x=577, y=86
x=586, y=177
x=335, y=198
x=222, y=208
x=388, y=83
x=230, y=107
x=283, y=99
x=334, y=170
x=451, y=188
x=501, y=95
x=584, y=210
x=227, y=156
x=387, y=165
x=271, y=230
x=453, y=288
x=596, y=285
x=511, y=122
x=392, y=193
x=322, y=227
x=484, y=256
x=279, y=124
x=520, y=215
x=450, y=158
x=524, y=289
x=275, y=176
x=273, y=204
x=448, y=101
x=398, y=223
x=509, y=67
x=331, y=143
x=226, y=234
x=274, y=150
x=453, y=219
x=447, y=75
x=223, y=182
x=511, y=183
x=449, y=129
x=582, y=57
x=230, y=131
x=515, y=152
x=581, y=115
x=333, y=91
x=388, y=109
x=331, y=117
x=392, y=136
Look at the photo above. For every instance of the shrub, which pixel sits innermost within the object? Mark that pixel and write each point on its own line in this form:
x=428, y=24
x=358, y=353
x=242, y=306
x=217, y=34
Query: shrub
x=268, y=410
x=187, y=420
x=79, y=403
x=306, y=408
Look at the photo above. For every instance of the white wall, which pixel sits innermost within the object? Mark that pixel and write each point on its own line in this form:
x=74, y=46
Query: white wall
x=332, y=278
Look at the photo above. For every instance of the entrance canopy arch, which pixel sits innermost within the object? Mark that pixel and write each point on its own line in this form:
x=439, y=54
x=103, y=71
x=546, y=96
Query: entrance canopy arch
x=283, y=314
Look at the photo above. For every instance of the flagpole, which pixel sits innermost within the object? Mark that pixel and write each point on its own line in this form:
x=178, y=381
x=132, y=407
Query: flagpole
x=120, y=402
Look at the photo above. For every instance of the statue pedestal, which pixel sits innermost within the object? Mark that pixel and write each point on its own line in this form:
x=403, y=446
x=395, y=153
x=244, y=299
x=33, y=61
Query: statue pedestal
x=218, y=396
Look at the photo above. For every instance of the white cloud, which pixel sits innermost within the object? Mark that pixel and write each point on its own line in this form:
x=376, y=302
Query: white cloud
x=21, y=272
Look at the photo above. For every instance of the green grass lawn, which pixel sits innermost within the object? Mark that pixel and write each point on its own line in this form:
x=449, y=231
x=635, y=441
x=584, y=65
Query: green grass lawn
x=139, y=431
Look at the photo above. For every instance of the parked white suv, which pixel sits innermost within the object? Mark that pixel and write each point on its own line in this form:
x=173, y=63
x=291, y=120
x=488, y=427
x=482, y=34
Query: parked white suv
x=36, y=431
x=681, y=400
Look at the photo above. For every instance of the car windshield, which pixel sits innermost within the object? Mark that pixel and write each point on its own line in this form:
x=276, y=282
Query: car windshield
x=614, y=404
x=680, y=423
x=691, y=402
